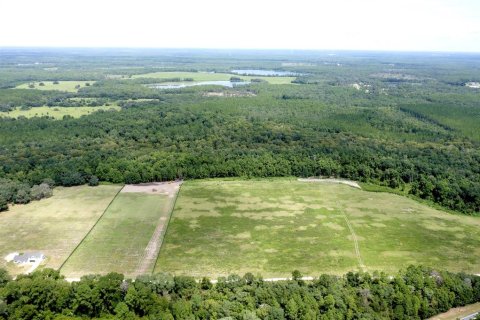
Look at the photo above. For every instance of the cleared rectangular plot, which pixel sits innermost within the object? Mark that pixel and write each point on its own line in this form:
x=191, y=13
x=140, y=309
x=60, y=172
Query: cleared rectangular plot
x=273, y=227
x=53, y=226
x=118, y=242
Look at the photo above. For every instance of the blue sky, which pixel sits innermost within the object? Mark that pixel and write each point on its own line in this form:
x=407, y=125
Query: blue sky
x=408, y=25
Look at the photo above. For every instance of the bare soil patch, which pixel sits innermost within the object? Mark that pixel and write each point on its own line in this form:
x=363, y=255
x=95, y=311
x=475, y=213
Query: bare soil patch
x=474, y=85
x=229, y=94
x=341, y=181
x=169, y=188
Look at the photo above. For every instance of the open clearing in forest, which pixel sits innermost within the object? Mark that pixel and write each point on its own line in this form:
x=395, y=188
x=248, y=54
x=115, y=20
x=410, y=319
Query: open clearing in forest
x=53, y=226
x=56, y=112
x=69, y=86
x=274, y=226
x=128, y=236
x=207, y=76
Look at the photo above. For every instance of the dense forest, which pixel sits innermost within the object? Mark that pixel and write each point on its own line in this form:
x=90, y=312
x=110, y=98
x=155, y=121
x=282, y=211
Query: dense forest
x=415, y=293
x=405, y=122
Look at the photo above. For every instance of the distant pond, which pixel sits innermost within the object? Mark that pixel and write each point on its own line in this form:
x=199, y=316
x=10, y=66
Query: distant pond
x=179, y=85
x=258, y=72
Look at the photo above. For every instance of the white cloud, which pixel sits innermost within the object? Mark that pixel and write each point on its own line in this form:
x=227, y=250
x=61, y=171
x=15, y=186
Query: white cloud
x=442, y=25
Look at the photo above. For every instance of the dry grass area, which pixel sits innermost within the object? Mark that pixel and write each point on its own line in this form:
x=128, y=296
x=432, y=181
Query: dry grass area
x=458, y=313
x=53, y=226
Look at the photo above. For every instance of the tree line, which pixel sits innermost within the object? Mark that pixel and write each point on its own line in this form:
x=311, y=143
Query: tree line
x=415, y=293
x=154, y=141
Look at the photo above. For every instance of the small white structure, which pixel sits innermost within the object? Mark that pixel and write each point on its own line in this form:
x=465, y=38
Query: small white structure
x=28, y=257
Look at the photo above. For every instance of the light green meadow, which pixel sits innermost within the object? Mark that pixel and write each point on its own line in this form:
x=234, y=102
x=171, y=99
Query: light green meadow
x=55, y=112
x=272, y=227
x=69, y=86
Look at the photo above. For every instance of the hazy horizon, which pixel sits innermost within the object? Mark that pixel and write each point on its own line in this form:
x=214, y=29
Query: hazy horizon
x=344, y=25
x=286, y=50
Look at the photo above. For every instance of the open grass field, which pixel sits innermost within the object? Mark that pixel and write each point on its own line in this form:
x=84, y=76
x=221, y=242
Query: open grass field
x=206, y=76
x=69, y=86
x=53, y=226
x=274, y=226
x=56, y=112
x=120, y=239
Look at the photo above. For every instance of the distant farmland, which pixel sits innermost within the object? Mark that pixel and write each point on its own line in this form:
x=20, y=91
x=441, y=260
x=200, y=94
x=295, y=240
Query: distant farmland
x=55, y=112
x=272, y=227
x=69, y=86
x=207, y=76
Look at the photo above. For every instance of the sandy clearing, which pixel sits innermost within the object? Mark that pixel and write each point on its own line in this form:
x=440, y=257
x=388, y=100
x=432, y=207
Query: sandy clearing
x=34, y=266
x=215, y=280
x=276, y=279
x=474, y=85
x=169, y=188
x=229, y=94
x=9, y=257
x=458, y=313
x=341, y=181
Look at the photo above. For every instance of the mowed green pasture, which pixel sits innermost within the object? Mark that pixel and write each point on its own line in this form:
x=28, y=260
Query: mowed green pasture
x=69, y=86
x=272, y=227
x=206, y=76
x=117, y=243
x=55, y=112
x=53, y=226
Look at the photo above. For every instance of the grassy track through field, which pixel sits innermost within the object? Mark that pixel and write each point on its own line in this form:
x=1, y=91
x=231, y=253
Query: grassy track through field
x=147, y=264
x=355, y=241
x=274, y=226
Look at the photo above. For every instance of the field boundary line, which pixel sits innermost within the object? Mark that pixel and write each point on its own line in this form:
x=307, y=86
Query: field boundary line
x=355, y=240
x=174, y=202
x=93, y=227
